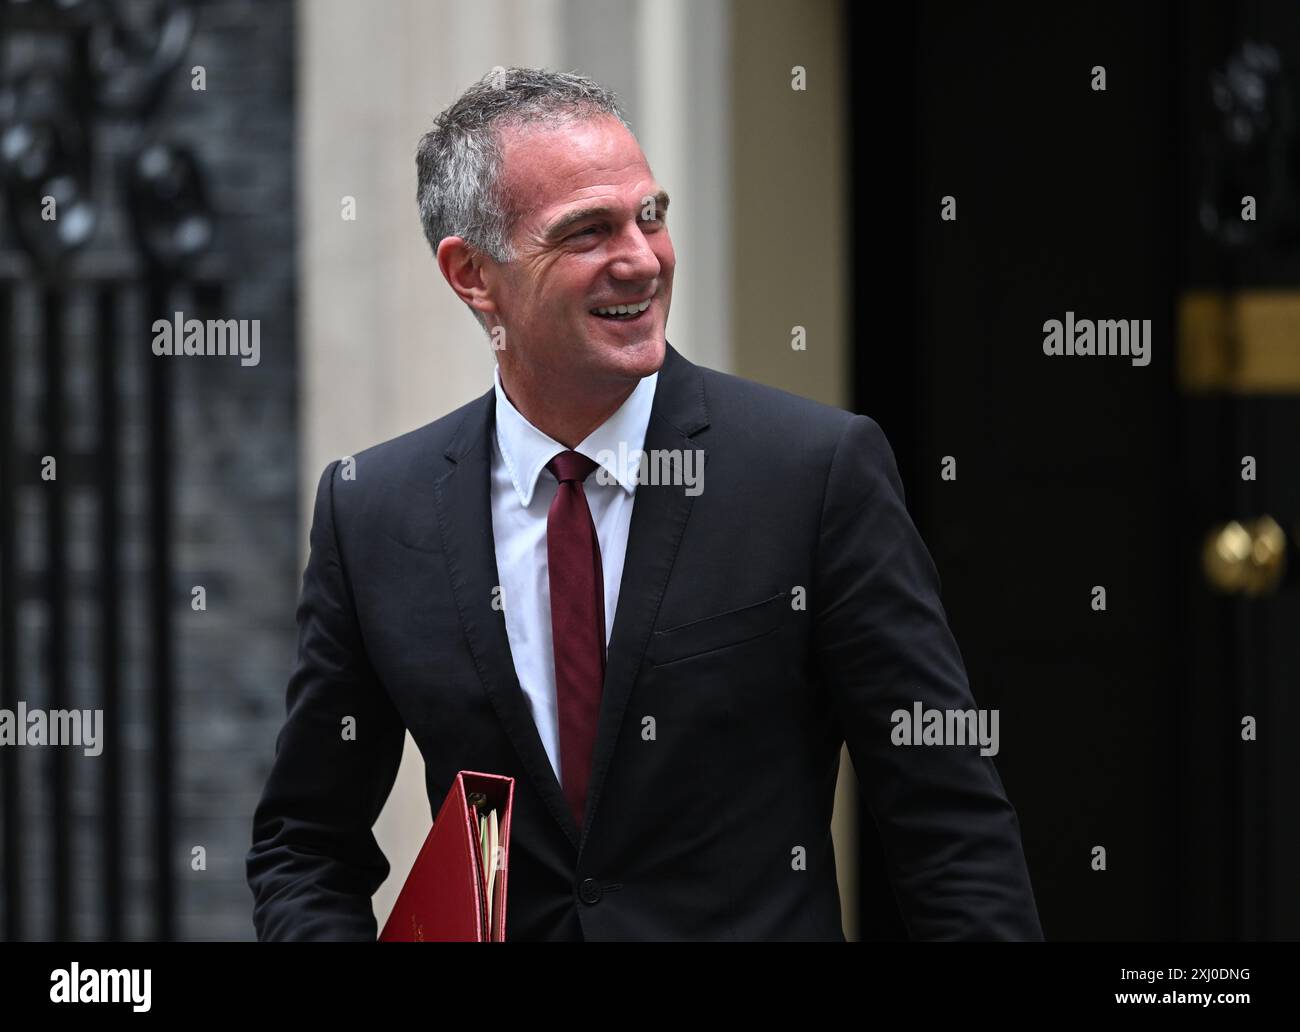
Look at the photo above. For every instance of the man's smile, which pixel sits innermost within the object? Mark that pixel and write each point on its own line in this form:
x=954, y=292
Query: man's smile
x=624, y=313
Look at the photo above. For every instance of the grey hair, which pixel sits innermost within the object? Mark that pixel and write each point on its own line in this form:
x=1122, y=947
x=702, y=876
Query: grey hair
x=458, y=161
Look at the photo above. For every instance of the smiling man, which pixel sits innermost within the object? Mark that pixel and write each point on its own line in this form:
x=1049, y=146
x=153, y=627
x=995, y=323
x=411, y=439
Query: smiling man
x=667, y=669
x=581, y=291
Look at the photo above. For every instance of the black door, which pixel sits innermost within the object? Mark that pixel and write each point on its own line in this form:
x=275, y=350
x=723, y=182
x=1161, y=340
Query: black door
x=1076, y=474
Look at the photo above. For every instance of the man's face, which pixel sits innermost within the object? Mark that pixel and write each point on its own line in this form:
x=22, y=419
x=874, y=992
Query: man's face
x=589, y=232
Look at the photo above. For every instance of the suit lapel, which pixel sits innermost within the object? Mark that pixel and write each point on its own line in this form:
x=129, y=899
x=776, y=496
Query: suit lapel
x=658, y=517
x=464, y=502
x=659, y=513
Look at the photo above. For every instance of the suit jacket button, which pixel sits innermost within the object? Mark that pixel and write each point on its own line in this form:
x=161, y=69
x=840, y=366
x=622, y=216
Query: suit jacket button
x=590, y=891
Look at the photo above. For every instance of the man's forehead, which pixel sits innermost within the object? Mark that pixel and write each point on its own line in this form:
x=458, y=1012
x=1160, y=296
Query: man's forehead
x=547, y=168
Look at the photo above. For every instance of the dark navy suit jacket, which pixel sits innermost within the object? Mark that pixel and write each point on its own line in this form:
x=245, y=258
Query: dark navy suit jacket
x=786, y=608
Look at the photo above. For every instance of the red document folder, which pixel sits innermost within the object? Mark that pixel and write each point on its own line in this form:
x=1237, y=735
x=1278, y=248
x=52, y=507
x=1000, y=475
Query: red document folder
x=444, y=898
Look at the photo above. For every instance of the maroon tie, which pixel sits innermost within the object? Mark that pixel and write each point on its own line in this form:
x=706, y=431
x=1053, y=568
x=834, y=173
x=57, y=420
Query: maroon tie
x=577, y=623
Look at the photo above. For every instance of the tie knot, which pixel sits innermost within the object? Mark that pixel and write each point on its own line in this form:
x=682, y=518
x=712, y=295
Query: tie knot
x=569, y=465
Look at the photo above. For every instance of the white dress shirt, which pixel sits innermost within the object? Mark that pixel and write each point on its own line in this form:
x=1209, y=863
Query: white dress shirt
x=522, y=492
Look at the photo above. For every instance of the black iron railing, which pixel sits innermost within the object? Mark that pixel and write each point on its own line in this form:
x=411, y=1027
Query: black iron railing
x=80, y=89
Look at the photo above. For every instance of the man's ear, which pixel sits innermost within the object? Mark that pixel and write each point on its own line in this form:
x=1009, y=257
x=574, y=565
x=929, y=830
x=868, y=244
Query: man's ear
x=462, y=267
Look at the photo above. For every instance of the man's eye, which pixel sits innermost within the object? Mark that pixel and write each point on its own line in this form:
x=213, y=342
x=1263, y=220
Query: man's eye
x=654, y=220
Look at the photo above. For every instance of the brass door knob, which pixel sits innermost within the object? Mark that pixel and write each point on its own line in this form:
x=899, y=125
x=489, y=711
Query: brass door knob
x=1247, y=558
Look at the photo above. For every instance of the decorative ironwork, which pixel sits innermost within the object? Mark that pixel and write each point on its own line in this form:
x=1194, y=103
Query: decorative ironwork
x=1252, y=150
x=74, y=73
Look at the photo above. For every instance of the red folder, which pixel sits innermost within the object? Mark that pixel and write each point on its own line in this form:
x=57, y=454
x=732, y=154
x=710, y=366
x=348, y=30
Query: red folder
x=444, y=898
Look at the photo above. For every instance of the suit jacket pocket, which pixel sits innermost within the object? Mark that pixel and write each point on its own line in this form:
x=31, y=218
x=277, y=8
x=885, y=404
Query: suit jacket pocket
x=717, y=632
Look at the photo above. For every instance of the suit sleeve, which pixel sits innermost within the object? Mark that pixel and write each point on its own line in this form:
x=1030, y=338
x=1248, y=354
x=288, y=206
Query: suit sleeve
x=950, y=836
x=314, y=862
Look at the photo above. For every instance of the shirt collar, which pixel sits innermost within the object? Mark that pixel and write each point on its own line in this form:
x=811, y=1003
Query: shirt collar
x=616, y=444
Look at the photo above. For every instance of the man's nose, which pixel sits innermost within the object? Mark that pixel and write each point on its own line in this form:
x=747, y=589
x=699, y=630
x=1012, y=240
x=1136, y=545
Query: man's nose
x=634, y=257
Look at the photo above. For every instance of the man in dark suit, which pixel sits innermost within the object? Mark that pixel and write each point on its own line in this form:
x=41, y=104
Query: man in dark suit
x=658, y=596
